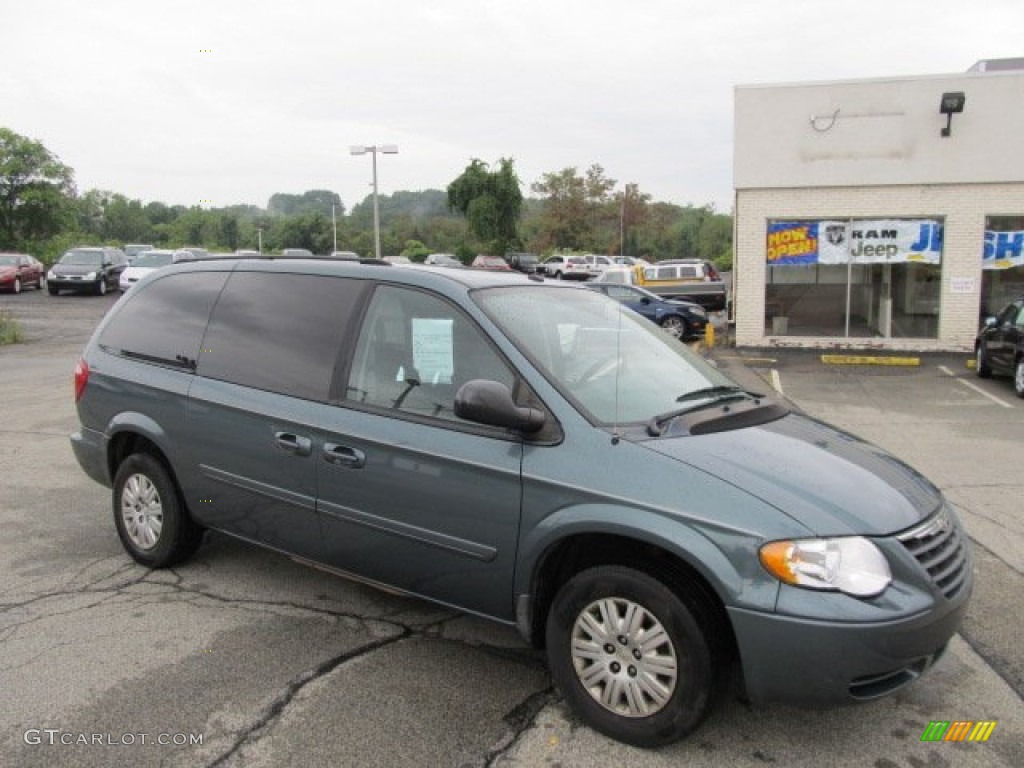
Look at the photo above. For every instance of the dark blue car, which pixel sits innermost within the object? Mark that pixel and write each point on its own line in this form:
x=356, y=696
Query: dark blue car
x=682, y=318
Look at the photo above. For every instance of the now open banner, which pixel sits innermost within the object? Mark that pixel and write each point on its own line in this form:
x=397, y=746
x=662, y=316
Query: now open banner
x=876, y=241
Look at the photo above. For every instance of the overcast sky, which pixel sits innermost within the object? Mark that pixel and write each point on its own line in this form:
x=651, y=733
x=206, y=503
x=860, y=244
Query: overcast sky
x=220, y=102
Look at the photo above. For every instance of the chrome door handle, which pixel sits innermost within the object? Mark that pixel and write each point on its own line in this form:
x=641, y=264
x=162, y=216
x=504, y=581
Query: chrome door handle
x=292, y=443
x=344, y=455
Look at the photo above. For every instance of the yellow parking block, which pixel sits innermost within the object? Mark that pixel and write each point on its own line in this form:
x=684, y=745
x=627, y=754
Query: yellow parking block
x=869, y=360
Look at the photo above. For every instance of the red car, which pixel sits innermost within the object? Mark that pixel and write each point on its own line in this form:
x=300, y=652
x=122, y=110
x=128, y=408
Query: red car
x=491, y=262
x=18, y=270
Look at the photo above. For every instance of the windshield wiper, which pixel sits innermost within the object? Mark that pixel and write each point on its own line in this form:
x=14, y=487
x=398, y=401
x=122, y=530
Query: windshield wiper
x=700, y=394
x=655, y=427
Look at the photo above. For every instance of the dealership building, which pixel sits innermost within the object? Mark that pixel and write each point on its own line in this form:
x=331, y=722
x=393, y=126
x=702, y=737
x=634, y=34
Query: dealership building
x=878, y=214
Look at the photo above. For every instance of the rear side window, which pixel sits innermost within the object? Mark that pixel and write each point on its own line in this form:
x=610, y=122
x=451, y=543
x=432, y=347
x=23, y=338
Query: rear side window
x=163, y=322
x=279, y=332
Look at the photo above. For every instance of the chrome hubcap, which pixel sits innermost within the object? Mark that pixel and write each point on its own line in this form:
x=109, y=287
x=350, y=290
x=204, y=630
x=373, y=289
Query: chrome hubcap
x=624, y=657
x=142, y=511
x=1018, y=378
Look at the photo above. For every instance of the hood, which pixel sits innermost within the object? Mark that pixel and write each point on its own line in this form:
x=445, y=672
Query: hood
x=830, y=481
x=137, y=273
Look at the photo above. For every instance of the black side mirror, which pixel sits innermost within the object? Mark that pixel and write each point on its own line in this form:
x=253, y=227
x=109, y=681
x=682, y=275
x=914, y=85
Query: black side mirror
x=490, y=402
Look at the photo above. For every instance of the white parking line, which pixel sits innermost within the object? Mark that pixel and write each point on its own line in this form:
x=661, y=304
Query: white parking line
x=975, y=387
x=777, y=382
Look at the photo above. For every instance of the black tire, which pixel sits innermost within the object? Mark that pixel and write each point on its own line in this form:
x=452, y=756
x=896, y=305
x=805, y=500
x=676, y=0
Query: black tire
x=558, y=275
x=17, y=285
x=1018, y=377
x=101, y=286
x=53, y=289
x=151, y=519
x=981, y=366
x=40, y=282
x=687, y=694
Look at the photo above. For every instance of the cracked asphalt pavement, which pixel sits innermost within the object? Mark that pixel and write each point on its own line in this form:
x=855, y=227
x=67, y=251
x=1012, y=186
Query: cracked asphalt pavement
x=270, y=662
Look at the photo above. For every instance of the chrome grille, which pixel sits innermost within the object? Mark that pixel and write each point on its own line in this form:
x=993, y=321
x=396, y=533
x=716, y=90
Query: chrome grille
x=940, y=546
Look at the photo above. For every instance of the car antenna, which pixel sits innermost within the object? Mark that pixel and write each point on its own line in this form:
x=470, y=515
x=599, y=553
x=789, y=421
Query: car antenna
x=618, y=372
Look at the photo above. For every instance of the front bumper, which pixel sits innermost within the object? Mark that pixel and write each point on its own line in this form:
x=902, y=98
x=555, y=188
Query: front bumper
x=74, y=282
x=810, y=662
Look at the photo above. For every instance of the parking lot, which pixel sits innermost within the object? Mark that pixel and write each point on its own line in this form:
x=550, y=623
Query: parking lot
x=244, y=657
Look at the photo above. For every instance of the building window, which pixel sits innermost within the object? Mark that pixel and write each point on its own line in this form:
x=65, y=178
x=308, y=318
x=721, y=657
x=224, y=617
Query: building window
x=1002, y=277
x=854, y=278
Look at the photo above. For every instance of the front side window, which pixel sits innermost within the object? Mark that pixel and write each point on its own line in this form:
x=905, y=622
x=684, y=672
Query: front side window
x=415, y=351
x=616, y=366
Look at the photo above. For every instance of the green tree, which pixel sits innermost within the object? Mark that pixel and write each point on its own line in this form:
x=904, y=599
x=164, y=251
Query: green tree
x=35, y=191
x=311, y=201
x=491, y=201
x=126, y=221
x=563, y=217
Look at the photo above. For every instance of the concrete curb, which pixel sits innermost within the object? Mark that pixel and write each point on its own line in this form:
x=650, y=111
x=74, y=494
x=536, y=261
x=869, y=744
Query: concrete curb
x=870, y=360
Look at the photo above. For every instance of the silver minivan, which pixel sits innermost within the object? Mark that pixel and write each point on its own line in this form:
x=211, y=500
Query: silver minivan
x=532, y=452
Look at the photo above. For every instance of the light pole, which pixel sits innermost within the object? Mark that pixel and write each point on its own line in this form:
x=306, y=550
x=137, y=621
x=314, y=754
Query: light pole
x=387, y=149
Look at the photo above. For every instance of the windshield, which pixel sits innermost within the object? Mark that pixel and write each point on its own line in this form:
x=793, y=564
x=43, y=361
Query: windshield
x=153, y=260
x=8, y=261
x=615, y=365
x=82, y=258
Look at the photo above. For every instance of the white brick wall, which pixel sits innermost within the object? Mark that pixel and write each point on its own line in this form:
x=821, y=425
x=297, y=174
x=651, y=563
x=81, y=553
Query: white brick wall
x=963, y=207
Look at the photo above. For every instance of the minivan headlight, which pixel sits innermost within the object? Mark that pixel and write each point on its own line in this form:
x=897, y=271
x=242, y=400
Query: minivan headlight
x=852, y=565
x=90, y=276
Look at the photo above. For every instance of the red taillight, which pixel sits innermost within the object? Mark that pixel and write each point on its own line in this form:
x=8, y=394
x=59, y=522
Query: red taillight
x=81, y=378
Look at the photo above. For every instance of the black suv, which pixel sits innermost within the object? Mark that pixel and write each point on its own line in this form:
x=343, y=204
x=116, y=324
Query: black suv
x=93, y=269
x=999, y=347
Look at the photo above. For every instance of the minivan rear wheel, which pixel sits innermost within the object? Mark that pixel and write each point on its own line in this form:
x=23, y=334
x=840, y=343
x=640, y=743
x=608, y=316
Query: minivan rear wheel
x=629, y=656
x=151, y=520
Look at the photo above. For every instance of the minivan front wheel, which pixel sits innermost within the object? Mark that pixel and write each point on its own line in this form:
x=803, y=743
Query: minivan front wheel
x=629, y=656
x=1018, y=378
x=151, y=520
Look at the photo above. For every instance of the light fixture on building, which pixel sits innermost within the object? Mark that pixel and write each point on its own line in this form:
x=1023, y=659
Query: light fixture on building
x=952, y=103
